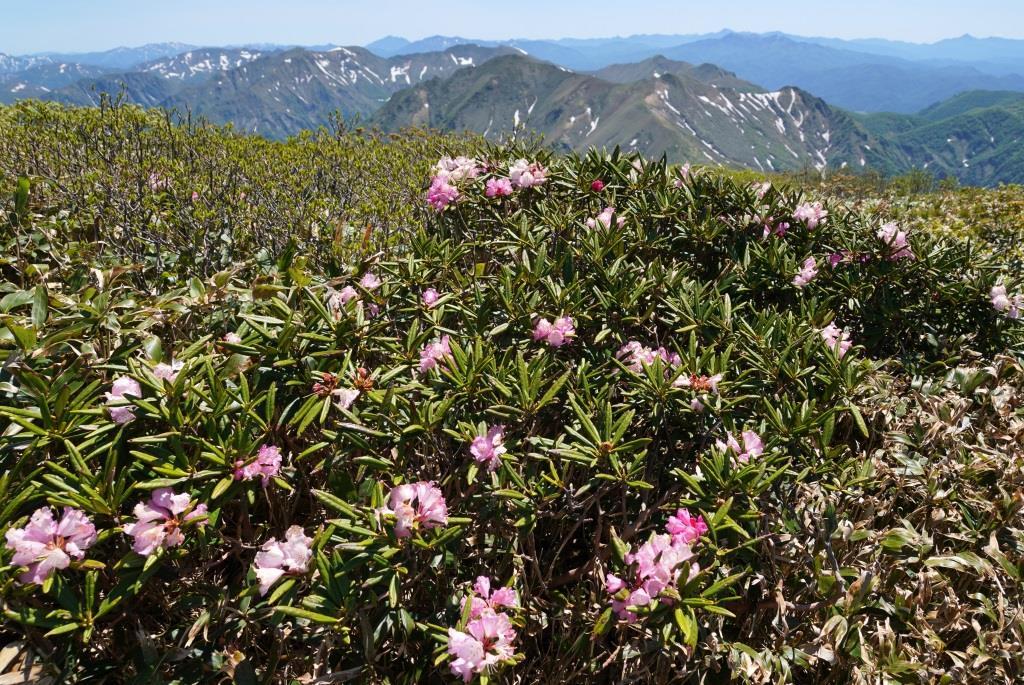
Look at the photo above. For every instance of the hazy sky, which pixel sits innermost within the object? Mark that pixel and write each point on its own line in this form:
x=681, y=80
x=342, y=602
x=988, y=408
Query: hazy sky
x=78, y=25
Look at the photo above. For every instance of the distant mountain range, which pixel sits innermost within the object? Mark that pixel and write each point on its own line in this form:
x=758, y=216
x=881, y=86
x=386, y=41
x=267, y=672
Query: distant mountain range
x=764, y=101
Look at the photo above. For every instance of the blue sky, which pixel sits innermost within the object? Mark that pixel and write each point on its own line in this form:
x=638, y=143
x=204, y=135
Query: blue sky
x=78, y=25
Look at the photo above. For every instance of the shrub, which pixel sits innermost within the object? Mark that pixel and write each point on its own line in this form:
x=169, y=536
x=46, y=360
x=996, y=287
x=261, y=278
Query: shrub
x=521, y=446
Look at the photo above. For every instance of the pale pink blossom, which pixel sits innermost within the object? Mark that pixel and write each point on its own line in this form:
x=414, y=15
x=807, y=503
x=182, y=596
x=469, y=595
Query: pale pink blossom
x=683, y=527
x=117, y=399
x=232, y=338
x=45, y=545
x=457, y=169
x=369, y=281
x=555, y=334
x=895, y=241
x=484, y=599
x=344, y=397
x=486, y=643
x=772, y=227
x=836, y=339
x=811, y=213
x=684, y=176
x=498, y=187
x=525, y=174
x=1011, y=306
x=265, y=466
x=430, y=297
x=157, y=182
x=435, y=353
x=277, y=559
x=441, y=193
x=807, y=273
x=160, y=520
x=339, y=298
x=167, y=372
x=698, y=383
x=487, y=449
x=761, y=189
x=637, y=356
x=656, y=567
x=605, y=219
x=416, y=506
x=752, y=447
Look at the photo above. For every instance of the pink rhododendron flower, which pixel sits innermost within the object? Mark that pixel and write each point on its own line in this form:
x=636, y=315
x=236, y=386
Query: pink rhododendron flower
x=896, y=241
x=807, y=273
x=157, y=182
x=339, y=298
x=753, y=446
x=524, y=174
x=483, y=599
x=167, y=372
x=232, y=338
x=1011, y=306
x=457, y=169
x=636, y=356
x=369, y=281
x=498, y=187
x=276, y=559
x=45, y=545
x=441, y=193
x=195, y=196
x=265, y=466
x=698, y=383
x=327, y=386
x=416, y=505
x=657, y=566
x=771, y=227
x=811, y=213
x=837, y=257
x=161, y=519
x=430, y=297
x=836, y=339
x=761, y=189
x=684, y=176
x=686, y=528
x=435, y=353
x=597, y=185
x=605, y=219
x=555, y=334
x=486, y=643
x=487, y=449
x=345, y=397
x=122, y=388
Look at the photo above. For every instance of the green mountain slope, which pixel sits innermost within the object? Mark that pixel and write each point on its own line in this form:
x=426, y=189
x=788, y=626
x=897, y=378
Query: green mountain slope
x=976, y=137
x=969, y=100
x=674, y=113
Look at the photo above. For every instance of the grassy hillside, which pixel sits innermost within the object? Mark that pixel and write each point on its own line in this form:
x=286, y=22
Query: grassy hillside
x=426, y=409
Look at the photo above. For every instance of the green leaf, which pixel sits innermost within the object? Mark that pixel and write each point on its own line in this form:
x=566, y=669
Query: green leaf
x=299, y=612
x=859, y=420
x=153, y=348
x=61, y=630
x=26, y=337
x=40, y=306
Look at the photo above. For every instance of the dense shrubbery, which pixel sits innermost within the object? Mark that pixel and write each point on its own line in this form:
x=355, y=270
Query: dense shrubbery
x=603, y=421
x=194, y=199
